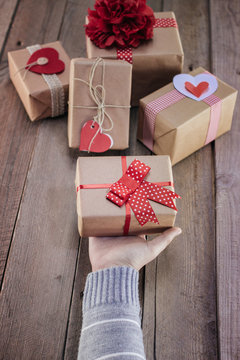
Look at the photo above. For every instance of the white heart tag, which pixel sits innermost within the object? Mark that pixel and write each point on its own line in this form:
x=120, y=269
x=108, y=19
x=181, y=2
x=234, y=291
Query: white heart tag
x=180, y=80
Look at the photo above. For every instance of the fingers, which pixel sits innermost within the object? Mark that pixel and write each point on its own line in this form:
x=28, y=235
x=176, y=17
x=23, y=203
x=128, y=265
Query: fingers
x=158, y=244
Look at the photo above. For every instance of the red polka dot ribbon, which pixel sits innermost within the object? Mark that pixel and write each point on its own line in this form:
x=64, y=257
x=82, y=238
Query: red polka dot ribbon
x=127, y=53
x=165, y=23
x=133, y=190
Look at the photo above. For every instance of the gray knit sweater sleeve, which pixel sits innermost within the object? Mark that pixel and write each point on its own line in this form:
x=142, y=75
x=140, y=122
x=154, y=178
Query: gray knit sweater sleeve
x=111, y=324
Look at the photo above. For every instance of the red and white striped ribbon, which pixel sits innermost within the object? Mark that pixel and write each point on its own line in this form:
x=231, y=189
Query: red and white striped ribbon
x=153, y=108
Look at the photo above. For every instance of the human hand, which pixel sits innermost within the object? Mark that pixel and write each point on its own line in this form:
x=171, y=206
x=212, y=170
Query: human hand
x=133, y=251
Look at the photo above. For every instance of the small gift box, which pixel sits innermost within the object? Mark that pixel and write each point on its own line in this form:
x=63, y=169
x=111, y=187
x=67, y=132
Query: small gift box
x=99, y=104
x=155, y=61
x=185, y=115
x=40, y=74
x=113, y=195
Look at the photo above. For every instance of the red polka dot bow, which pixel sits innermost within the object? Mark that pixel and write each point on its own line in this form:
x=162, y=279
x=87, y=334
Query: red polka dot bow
x=132, y=188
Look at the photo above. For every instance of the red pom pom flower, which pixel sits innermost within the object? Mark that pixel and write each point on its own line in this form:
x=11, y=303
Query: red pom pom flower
x=120, y=23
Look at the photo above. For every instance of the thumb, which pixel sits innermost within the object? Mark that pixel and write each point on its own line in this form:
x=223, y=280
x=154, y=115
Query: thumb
x=158, y=244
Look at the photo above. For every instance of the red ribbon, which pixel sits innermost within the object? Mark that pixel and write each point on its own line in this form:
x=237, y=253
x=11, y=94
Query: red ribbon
x=133, y=191
x=127, y=203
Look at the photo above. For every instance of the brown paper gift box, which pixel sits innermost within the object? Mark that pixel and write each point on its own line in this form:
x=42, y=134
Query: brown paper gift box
x=97, y=216
x=182, y=128
x=155, y=62
x=33, y=90
x=117, y=84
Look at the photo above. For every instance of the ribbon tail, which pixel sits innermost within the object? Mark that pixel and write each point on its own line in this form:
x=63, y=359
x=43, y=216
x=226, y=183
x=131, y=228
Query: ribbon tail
x=142, y=208
x=161, y=195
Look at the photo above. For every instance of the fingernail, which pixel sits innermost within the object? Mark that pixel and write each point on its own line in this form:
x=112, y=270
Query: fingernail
x=178, y=231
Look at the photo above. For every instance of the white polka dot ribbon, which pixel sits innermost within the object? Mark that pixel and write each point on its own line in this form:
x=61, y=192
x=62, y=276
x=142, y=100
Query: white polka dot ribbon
x=165, y=23
x=127, y=53
x=134, y=190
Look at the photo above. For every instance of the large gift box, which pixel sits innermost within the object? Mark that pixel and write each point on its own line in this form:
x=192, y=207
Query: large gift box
x=40, y=74
x=99, y=104
x=185, y=115
x=113, y=195
x=155, y=61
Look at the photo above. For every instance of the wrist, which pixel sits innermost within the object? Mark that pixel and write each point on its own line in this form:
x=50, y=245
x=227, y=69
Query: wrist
x=103, y=266
x=115, y=284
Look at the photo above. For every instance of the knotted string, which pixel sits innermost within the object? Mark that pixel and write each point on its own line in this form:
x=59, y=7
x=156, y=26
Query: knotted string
x=39, y=61
x=98, y=95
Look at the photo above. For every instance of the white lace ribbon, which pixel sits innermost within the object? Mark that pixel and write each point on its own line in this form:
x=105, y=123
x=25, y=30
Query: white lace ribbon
x=55, y=86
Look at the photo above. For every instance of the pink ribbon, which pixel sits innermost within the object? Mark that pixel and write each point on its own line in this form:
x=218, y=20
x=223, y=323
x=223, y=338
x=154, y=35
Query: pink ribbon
x=153, y=108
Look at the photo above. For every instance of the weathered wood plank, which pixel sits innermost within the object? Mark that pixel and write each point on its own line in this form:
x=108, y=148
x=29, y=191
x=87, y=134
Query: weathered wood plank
x=149, y=291
x=7, y=11
x=185, y=285
x=75, y=319
x=149, y=310
x=225, y=20
x=35, y=22
x=37, y=287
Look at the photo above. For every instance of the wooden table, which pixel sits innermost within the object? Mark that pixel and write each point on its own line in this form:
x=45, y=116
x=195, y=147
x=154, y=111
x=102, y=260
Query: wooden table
x=190, y=294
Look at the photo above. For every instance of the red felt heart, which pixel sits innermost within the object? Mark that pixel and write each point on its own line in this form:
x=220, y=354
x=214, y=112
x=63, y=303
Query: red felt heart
x=197, y=90
x=102, y=142
x=53, y=66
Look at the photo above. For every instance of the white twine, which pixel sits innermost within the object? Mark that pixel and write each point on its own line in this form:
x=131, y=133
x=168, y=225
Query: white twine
x=54, y=84
x=98, y=94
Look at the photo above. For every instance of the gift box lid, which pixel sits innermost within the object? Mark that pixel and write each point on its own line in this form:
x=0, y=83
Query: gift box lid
x=115, y=78
x=166, y=41
x=92, y=205
x=33, y=83
x=178, y=114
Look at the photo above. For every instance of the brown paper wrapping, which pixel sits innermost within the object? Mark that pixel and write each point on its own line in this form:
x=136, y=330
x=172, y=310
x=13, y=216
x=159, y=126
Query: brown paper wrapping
x=33, y=90
x=97, y=216
x=182, y=128
x=155, y=62
x=117, y=84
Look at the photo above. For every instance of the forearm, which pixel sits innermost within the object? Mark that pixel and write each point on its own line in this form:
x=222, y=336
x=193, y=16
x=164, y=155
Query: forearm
x=111, y=323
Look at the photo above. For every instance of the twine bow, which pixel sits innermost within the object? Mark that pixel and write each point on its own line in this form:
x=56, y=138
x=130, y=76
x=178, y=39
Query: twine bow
x=98, y=95
x=131, y=188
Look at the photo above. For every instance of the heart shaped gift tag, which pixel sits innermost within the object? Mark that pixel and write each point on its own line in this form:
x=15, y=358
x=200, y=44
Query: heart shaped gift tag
x=197, y=87
x=47, y=62
x=102, y=142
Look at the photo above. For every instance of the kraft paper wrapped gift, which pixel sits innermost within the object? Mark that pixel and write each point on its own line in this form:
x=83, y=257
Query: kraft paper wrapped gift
x=176, y=125
x=38, y=99
x=155, y=61
x=98, y=216
x=114, y=78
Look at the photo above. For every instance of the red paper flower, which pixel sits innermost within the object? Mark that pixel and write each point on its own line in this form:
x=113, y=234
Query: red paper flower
x=120, y=23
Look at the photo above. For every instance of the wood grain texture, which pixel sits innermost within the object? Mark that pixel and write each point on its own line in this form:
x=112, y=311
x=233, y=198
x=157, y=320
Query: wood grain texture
x=149, y=291
x=38, y=282
x=7, y=11
x=185, y=279
x=75, y=319
x=149, y=309
x=18, y=134
x=225, y=22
